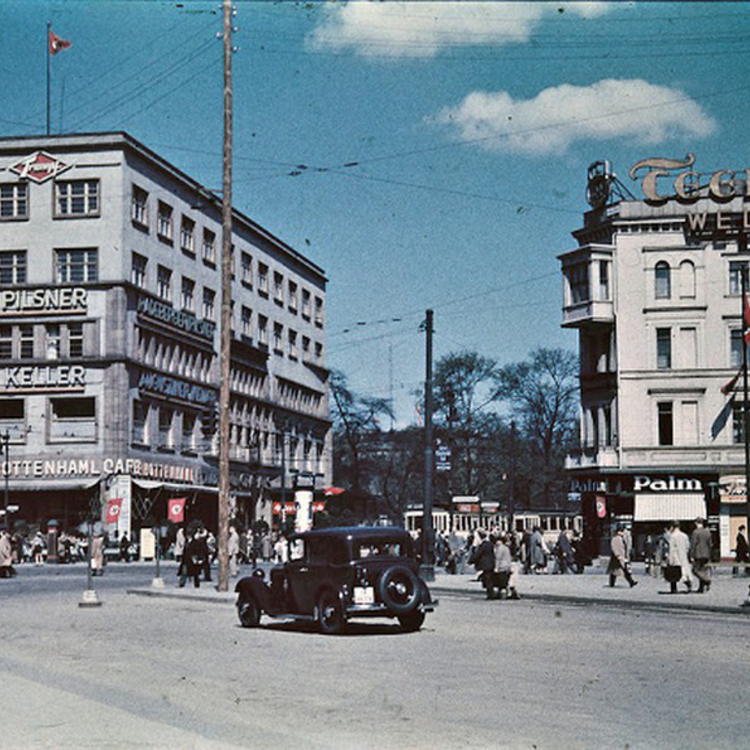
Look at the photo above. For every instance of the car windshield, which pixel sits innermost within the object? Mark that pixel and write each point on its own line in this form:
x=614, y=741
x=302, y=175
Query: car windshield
x=363, y=550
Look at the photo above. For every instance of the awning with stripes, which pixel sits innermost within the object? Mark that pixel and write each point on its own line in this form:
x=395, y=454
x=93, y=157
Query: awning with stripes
x=669, y=506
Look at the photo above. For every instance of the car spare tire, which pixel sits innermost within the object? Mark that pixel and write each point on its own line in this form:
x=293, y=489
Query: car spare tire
x=399, y=590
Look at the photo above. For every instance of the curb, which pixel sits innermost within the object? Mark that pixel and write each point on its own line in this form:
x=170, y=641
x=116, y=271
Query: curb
x=216, y=597
x=608, y=602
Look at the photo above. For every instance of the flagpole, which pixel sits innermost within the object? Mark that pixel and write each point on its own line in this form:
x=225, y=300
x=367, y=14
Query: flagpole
x=49, y=26
x=745, y=421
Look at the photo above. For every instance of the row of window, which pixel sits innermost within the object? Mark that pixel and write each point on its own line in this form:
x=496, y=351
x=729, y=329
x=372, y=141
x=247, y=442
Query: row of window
x=69, y=266
x=166, y=428
x=284, y=291
x=676, y=424
x=48, y=341
x=69, y=419
x=683, y=341
x=669, y=282
x=71, y=198
x=175, y=356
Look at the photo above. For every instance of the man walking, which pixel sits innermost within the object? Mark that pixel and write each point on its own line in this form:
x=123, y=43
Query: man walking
x=618, y=560
x=483, y=559
x=679, y=556
x=701, y=546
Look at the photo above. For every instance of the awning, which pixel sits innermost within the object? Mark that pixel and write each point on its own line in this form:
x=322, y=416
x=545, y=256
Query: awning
x=151, y=484
x=53, y=485
x=669, y=506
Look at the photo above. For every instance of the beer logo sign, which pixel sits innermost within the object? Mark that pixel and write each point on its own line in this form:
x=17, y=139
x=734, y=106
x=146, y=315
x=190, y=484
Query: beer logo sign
x=39, y=167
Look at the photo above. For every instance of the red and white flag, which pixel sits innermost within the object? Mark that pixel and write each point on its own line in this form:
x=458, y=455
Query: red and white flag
x=114, y=506
x=176, y=509
x=746, y=319
x=727, y=388
x=601, y=506
x=56, y=44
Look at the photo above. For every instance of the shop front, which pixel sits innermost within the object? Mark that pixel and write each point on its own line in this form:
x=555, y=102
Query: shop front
x=645, y=504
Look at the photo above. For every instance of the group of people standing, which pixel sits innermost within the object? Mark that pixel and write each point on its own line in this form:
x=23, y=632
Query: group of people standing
x=493, y=559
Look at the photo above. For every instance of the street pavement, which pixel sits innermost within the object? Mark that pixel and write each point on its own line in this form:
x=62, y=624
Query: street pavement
x=726, y=595
x=171, y=672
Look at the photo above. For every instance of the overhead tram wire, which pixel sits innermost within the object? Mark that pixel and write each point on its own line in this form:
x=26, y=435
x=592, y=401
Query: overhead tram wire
x=137, y=92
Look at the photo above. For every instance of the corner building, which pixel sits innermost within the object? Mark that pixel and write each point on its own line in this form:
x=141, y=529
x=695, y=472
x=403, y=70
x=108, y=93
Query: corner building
x=110, y=297
x=653, y=288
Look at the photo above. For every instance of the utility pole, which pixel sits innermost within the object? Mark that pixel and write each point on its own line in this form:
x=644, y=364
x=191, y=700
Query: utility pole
x=428, y=540
x=745, y=413
x=226, y=309
x=512, y=480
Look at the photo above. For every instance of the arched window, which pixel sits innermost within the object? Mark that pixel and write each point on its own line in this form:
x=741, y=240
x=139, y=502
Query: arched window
x=663, y=280
x=687, y=279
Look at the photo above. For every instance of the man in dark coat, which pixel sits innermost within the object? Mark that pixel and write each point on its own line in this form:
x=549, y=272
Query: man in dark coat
x=701, y=546
x=483, y=559
x=741, y=550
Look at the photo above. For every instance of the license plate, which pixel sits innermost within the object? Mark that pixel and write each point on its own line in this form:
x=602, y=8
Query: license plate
x=364, y=595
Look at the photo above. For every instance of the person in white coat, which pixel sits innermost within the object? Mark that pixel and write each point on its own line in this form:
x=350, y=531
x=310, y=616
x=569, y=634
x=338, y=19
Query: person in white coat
x=679, y=555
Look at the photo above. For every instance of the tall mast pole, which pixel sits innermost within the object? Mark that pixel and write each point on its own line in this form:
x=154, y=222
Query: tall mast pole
x=745, y=412
x=46, y=46
x=226, y=309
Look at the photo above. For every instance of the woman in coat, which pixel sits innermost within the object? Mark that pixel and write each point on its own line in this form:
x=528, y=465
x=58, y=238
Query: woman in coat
x=539, y=551
x=97, y=555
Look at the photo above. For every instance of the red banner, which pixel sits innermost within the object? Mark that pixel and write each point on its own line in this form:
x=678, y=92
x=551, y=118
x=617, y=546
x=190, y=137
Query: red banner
x=114, y=506
x=176, y=509
x=601, y=506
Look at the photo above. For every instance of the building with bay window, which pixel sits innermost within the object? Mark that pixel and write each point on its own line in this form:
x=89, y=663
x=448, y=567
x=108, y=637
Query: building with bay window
x=110, y=295
x=653, y=289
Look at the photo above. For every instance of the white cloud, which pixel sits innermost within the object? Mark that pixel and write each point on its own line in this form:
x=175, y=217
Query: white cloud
x=558, y=117
x=422, y=29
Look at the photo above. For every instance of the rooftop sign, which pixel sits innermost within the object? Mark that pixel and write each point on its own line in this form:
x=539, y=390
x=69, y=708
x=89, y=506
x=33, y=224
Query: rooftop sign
x=39, y=167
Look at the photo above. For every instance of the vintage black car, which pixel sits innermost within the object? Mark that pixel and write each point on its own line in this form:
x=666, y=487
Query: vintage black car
x=335, y=574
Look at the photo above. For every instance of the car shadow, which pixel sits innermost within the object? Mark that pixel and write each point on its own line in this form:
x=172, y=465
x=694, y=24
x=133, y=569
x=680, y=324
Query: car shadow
x=352, y=628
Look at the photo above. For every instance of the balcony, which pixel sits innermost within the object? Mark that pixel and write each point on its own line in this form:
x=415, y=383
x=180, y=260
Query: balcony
x=589, y=312
x=592, y=458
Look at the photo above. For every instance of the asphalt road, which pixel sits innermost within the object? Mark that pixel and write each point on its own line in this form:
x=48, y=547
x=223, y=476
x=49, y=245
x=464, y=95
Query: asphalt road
x=142, y=672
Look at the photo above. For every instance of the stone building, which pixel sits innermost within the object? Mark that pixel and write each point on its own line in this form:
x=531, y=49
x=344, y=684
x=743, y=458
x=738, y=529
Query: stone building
x=653, y=287
x=110, y=297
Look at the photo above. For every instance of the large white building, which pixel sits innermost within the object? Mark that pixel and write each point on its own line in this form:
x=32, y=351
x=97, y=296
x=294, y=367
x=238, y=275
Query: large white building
x=110, y=297
x=654, y=289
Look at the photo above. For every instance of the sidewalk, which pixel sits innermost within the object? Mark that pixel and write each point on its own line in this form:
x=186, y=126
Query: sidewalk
x=592, y=589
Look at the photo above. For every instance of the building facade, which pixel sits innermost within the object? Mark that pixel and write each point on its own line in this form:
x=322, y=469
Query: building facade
x=110, y=298
x=653, y=287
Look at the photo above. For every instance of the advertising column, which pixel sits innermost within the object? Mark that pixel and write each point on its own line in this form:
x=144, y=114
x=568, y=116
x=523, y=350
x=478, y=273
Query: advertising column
x=304, y=485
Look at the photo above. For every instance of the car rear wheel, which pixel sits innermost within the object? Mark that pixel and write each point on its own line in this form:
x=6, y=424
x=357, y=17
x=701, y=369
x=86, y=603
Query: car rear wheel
x=331, y=620
x=413, y=621
x=249, y=613
x=399, y=590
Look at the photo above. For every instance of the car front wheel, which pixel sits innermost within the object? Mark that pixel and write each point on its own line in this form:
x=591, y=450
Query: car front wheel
x=249, y=613
x=331, y=620
x=412, y=622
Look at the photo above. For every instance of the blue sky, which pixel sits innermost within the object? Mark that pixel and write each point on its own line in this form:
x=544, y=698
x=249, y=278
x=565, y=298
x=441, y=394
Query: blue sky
x=467, y=129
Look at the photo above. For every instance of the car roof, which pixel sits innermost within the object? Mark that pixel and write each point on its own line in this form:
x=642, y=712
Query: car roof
x=354, y=532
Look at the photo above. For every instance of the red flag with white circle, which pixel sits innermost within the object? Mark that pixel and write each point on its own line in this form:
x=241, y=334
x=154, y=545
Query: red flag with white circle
x=114, y=506
x=176, y=509
x=601, y=506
